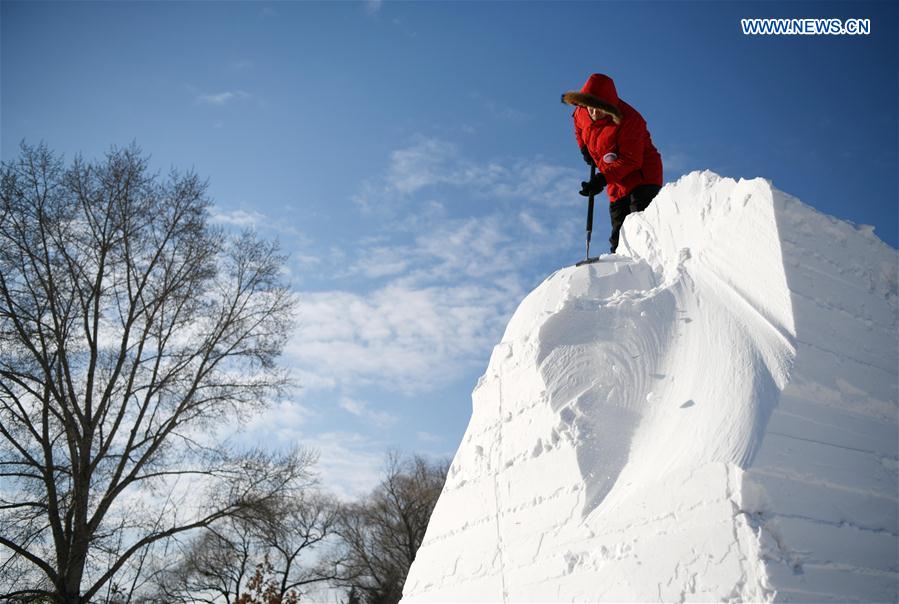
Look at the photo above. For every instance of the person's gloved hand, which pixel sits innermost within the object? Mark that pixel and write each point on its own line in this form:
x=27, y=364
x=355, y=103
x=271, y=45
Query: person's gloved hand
x=587, y=157
x=594, y=187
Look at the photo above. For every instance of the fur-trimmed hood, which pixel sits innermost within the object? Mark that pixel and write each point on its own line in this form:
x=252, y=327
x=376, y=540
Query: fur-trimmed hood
x=598, y=92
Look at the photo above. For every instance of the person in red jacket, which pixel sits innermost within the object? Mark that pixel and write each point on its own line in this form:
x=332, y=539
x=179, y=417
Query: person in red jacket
x=613, y=136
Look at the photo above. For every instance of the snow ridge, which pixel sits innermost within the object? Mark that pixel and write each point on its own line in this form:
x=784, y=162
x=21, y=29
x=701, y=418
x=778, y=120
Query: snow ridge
x=710, y=414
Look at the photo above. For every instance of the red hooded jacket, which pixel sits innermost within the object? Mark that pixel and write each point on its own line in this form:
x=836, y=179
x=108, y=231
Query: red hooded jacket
x=619, y=142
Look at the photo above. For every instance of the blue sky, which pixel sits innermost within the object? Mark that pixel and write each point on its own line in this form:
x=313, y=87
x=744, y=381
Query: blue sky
x=415, y=161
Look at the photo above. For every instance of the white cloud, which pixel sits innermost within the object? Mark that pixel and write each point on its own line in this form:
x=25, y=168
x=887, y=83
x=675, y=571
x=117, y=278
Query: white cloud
x=430, y=293
x=507, y=113
x=310, y=381
x=429, y=438
x=381, y=262
x=363, y=410
x=402, y=337
x=306, y=260
x=443, y=287
x=222, y=98
x=238, y=218
x=443, y=251
x=280, y=421
x=435, y=254
x=429, y=162
x=373, y=6
x=531, y=224
x=254, y=219
x=420, y=165
x=349, y=463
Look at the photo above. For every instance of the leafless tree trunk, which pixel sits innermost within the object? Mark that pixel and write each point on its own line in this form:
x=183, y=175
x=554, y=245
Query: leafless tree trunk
x=129, y=328
x=383, y=532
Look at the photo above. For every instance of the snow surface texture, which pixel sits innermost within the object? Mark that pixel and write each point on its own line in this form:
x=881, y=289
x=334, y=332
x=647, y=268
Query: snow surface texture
x=709, y=415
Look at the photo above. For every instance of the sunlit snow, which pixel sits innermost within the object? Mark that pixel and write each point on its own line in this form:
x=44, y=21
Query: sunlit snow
x=708, y=415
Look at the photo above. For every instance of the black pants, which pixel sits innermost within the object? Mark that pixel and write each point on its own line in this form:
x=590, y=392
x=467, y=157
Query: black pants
x=636, y=201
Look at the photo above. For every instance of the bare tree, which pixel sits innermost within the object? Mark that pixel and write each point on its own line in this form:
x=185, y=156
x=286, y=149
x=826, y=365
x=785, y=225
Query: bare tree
x=306, y=523
x=130, y=328
x=383, y=532
x=214, y=567
x=266, y=558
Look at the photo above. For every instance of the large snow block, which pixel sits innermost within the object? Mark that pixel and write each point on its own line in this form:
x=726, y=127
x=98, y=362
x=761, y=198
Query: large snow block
x=709, y=415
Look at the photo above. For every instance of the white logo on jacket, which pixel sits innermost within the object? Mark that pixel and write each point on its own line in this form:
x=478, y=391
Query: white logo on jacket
x=609, y=157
